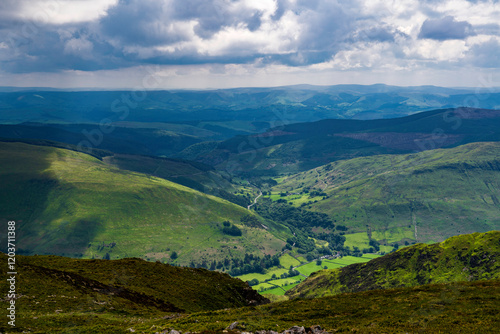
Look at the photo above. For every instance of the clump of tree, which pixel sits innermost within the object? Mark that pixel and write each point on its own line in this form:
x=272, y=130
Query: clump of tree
x=252, y=264
x=317, y=193
x=375, y=244
x=253, y=282
x=292, y=216
x=303, y=243
x=231, y=229
x=250, y=220
x=291, y=273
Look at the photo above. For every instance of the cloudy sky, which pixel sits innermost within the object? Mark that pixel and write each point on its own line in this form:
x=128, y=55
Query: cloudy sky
x=235, y=43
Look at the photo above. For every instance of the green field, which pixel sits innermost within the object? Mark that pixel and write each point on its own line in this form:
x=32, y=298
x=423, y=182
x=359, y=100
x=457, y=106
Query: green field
x=359, y=240
x=370, y=256
x=309, y=268
x=279, y=291
x=287, y=260
x=262, y=277
x=295, y=199
x=395, y=234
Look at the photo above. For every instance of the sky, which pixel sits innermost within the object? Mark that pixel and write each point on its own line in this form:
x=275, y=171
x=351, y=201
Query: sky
x=203, y=44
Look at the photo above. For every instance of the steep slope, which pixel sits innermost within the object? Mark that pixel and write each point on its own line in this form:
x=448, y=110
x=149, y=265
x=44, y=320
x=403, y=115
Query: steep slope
x=462, y=258
x=118, y=288
x=191, y=174
x=117, y=138
x=69, y=203
x=301, y=146
x=421, y=197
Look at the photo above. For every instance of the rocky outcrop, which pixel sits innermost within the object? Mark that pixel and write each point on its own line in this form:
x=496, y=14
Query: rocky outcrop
x=233, y=329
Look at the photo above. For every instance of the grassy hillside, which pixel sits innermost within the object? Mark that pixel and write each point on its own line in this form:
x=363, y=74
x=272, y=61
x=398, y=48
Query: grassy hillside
x=462, y=258
x=440, y=308
x=96, y=292
x=421, y=197
x=471, y=307
x=191, y=174
x=69, y=203
x=302, y=146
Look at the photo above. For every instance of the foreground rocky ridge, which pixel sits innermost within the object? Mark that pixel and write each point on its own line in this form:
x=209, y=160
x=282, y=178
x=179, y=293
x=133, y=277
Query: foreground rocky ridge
x=232, y=329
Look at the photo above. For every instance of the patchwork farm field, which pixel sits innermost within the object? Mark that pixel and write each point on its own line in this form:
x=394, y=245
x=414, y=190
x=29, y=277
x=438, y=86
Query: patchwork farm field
x=271, y=283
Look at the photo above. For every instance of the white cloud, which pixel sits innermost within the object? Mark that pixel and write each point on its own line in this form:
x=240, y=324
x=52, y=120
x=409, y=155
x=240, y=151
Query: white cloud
x=63, y=11
x=252, y=40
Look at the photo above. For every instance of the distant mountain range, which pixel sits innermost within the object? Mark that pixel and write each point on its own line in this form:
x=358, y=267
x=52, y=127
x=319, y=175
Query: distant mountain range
x=302, y=146
x=218, y=110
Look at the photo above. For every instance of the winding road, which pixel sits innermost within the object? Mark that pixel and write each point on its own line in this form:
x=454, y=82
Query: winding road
x=255, y=200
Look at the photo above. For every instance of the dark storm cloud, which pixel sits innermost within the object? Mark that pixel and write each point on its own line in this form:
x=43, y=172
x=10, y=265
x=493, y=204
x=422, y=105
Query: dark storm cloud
x=445, y=28
x=145, y=23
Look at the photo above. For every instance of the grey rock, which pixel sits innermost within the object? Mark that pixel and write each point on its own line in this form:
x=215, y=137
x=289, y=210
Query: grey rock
x=315, y=330
x=295, y=330
x=232, y=326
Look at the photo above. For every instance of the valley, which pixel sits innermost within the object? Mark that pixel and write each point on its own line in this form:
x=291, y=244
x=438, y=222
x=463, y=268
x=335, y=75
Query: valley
x=294, y=213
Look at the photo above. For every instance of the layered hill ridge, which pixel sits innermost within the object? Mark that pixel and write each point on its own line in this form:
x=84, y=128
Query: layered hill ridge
x=461, y=258
x=425, y=197
x=69, y=203
x=301, y=146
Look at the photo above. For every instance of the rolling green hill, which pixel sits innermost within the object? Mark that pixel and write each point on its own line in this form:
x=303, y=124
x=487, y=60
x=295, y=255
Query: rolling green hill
x=467, y=257
x=69, y=203
x=301, y=146
x=62, y=294
x=423, y=197
x=191, y=174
